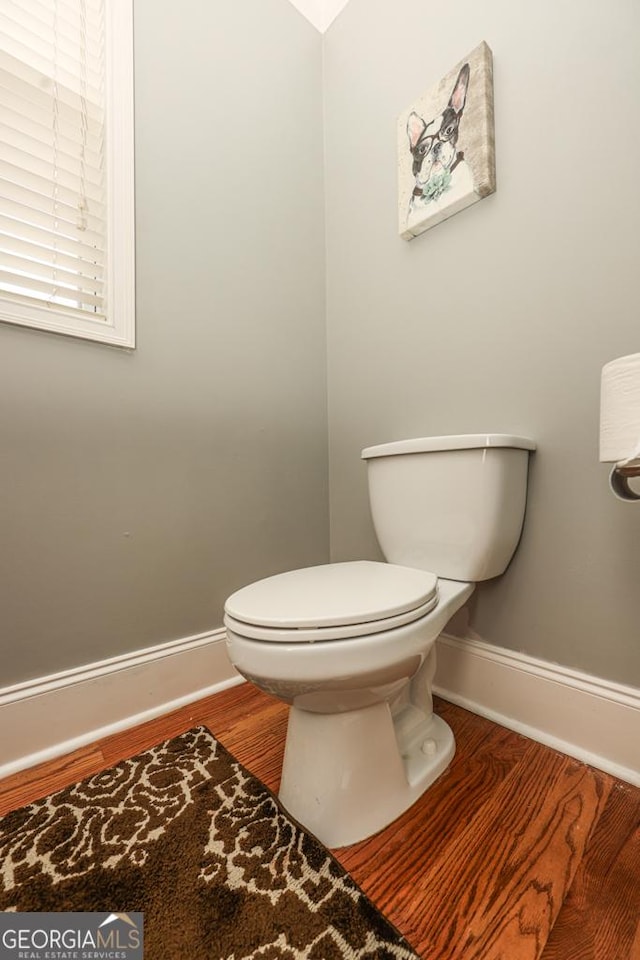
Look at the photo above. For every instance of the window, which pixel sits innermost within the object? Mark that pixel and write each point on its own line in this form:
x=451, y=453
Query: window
x=66, y=167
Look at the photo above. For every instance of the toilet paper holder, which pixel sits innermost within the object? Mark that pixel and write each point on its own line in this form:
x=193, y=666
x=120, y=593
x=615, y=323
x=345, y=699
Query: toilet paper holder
x=620, y=423
x=619, y=481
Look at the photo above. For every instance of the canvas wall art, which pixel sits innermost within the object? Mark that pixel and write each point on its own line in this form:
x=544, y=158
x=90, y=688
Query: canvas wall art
x=446, y=147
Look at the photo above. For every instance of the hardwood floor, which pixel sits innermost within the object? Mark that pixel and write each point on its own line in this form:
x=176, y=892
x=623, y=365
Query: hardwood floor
x=516, y=853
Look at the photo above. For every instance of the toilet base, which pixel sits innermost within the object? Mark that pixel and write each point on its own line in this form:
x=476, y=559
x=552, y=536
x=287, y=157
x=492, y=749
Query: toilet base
x=348, y=775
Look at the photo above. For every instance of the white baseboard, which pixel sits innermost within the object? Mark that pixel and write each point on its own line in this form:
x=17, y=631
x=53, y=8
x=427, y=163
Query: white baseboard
x=593, y=720
x=53, y=715
x=596, y=721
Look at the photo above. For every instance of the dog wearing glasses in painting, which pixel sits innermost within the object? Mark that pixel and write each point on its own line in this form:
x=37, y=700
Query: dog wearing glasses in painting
x=441, y=174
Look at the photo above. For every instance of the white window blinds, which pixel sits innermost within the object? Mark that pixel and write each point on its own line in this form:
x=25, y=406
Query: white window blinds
x=54, y=165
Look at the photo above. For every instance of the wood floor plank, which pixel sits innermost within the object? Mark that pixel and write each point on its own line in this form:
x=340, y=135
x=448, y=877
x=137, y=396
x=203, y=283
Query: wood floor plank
x=601, y=914
x=257, y=741
x=37, y=782
x=634, y=953
x=479, y=867
x=441, y=814
x=501, y=883
x=229, y=705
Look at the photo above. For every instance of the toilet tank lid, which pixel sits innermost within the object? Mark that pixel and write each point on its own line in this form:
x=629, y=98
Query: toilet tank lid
x=465, y=441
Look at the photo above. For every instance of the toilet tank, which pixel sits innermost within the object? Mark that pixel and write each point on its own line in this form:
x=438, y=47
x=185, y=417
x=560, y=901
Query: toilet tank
x=452, y=505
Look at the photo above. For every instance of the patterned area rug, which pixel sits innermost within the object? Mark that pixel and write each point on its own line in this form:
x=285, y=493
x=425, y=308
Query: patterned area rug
x=186, y=835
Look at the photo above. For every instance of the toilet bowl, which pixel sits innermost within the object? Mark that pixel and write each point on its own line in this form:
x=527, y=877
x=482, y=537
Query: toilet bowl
x=351, y=645
x=362, y=740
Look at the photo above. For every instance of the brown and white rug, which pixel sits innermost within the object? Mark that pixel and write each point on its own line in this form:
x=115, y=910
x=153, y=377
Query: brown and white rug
x=186, y=835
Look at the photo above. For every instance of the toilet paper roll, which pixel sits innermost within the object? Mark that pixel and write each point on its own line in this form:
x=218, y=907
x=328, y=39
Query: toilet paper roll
x=620, y=412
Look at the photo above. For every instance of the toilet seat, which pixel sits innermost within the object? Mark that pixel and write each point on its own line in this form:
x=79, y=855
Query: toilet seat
x=331, y=602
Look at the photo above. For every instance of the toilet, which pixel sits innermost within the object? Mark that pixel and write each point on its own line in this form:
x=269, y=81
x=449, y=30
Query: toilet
x=351, y=646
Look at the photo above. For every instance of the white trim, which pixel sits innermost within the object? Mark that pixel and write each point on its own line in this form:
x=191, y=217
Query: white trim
x=120, y=174
x=117, y=328
x=98, y=699
x=594, y=720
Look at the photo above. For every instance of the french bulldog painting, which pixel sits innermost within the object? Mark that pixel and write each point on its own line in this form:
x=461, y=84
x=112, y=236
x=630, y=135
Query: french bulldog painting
x=446, y=146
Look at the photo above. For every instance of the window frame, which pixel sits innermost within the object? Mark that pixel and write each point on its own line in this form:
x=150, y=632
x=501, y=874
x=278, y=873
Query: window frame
x=118, y=328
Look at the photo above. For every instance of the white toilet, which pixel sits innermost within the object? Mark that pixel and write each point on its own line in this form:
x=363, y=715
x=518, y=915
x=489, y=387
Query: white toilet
x=351, y=645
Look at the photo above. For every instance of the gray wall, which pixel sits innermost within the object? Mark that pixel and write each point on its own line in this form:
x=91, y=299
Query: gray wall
x=138, y=489
x=501, y=318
